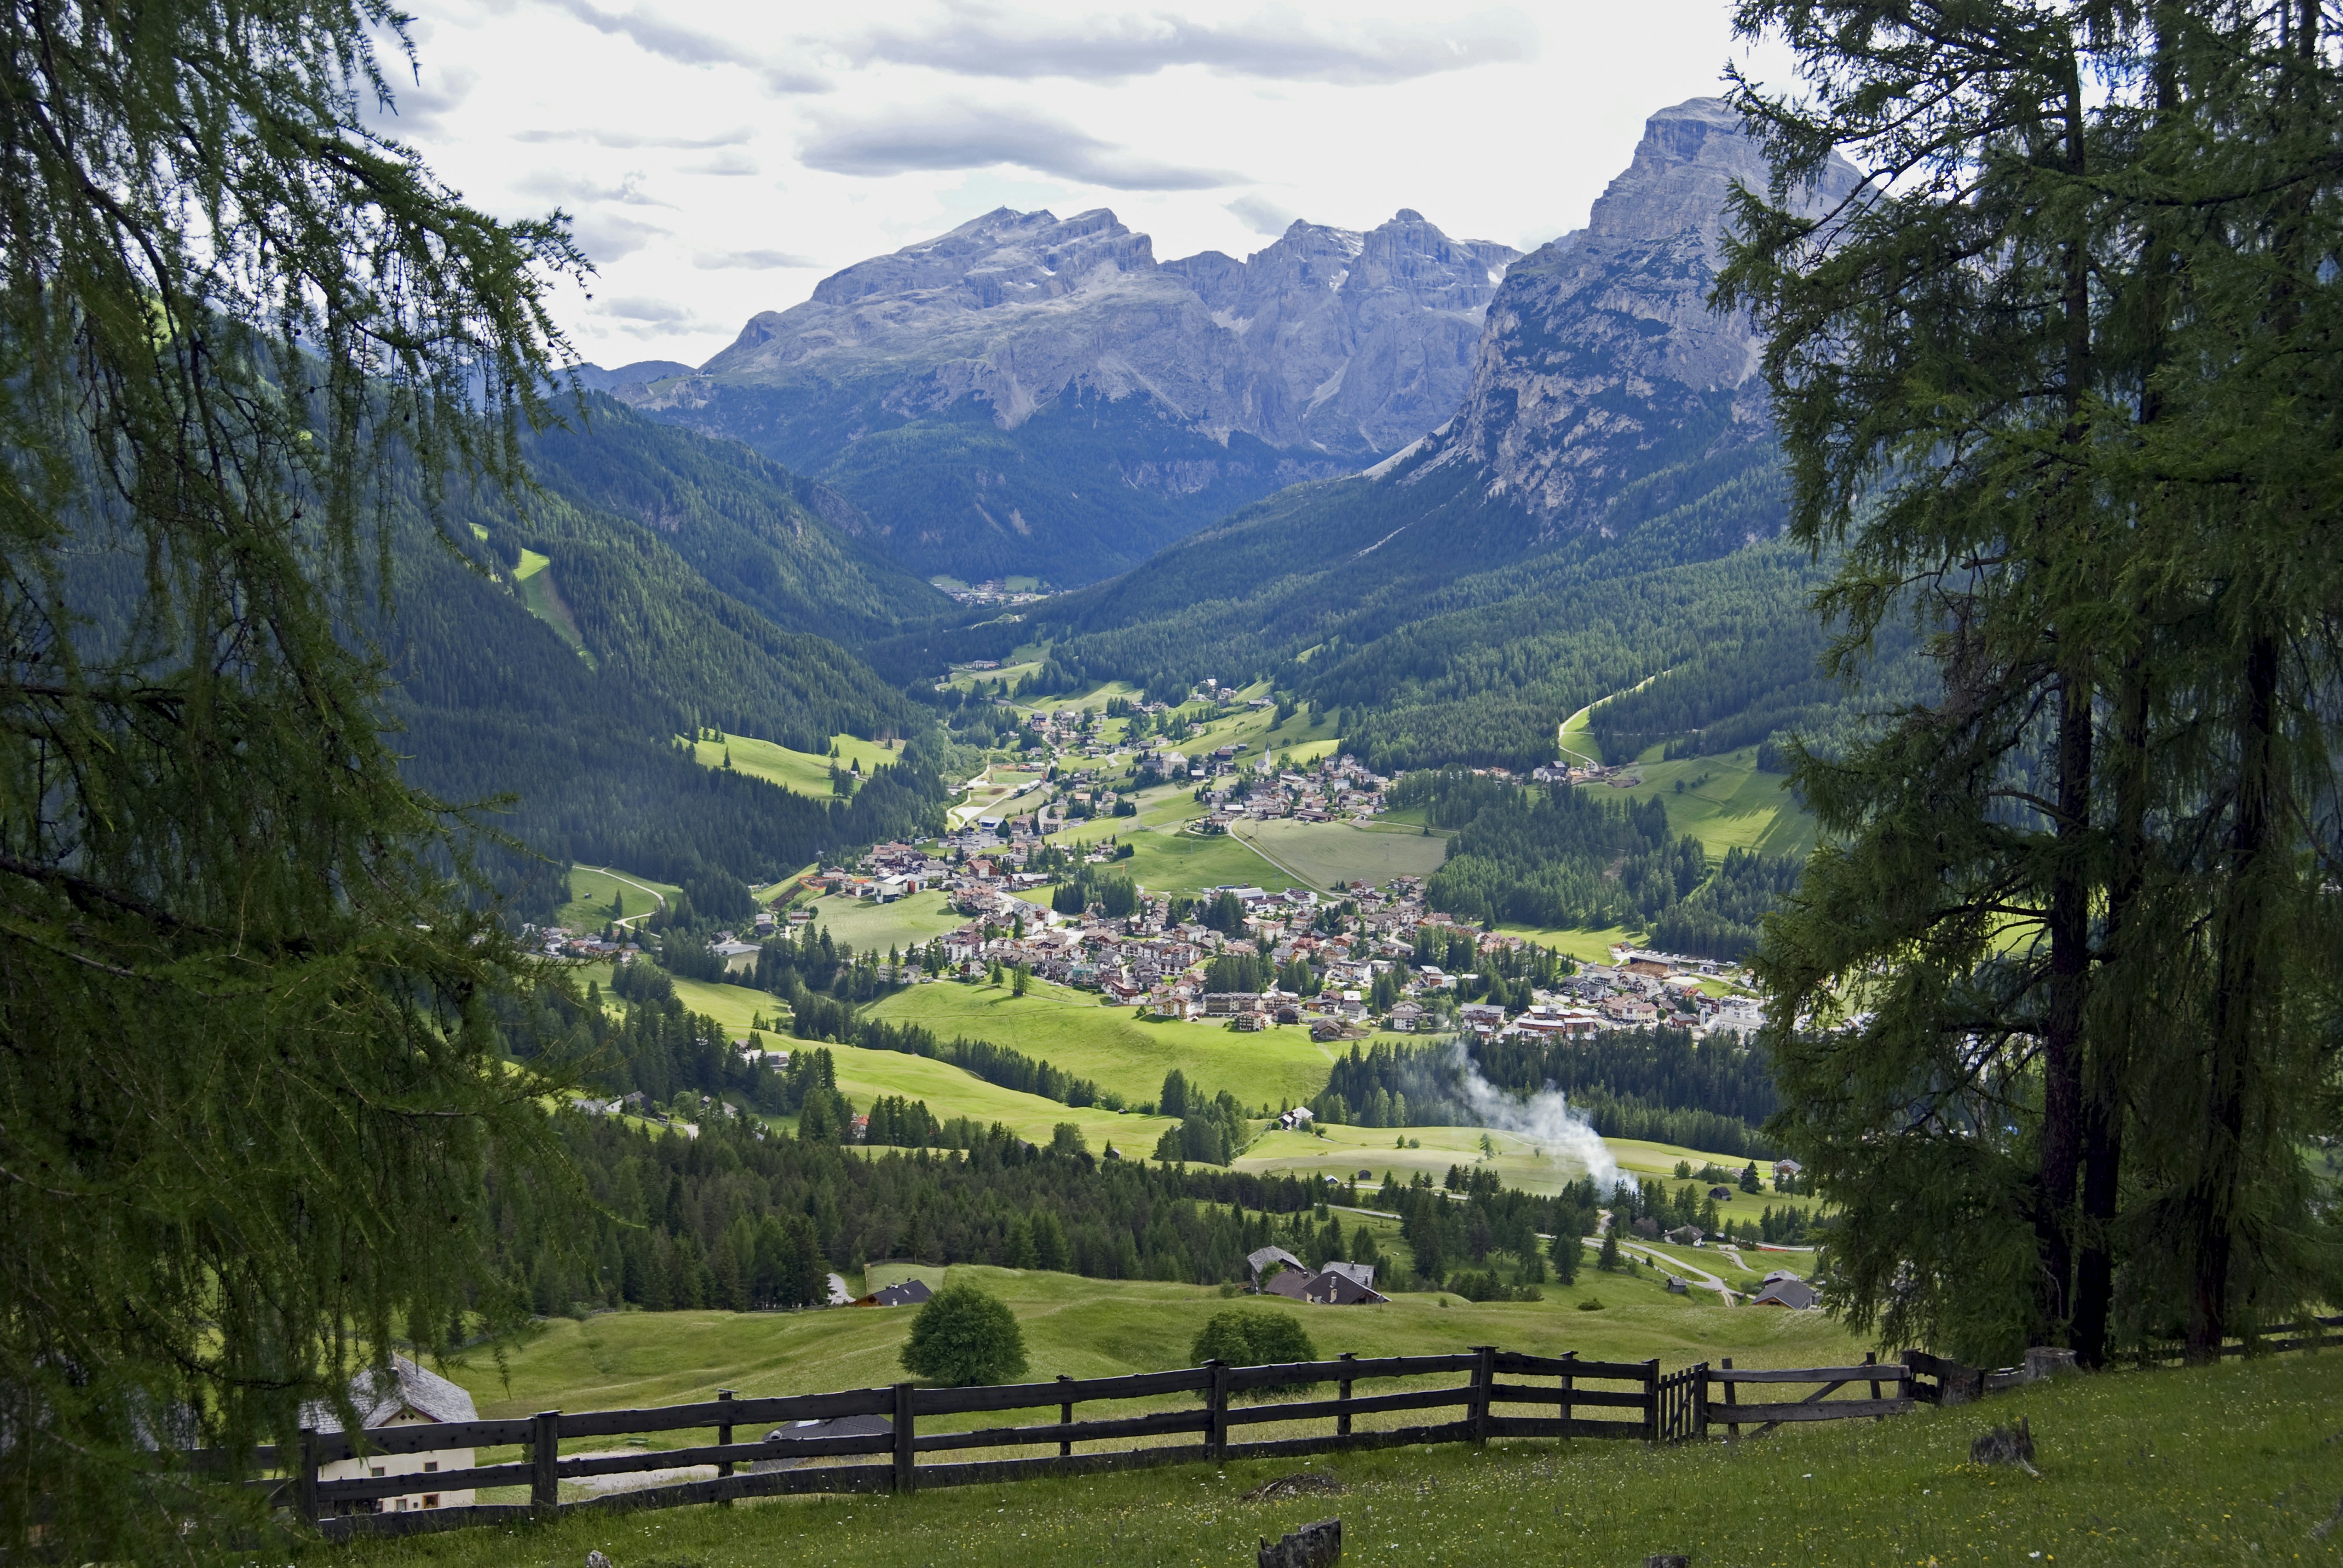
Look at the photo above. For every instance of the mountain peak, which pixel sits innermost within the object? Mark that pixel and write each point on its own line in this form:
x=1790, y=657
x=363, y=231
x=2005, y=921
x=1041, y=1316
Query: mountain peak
x=1688, y=160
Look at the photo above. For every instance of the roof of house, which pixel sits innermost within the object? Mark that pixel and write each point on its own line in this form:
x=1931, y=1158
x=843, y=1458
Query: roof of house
x=1363, y=1273
x=1795, y=1294
x=1331, y=1289
x=1293, y=1282
x=379, y=1398
x=1268, y=1256
x=909, y=1293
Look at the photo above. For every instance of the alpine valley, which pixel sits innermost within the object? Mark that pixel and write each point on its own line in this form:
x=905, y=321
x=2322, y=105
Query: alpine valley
x=1433, y=496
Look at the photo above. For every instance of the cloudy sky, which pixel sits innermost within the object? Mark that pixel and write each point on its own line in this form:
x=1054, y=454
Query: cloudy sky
x=721, y=159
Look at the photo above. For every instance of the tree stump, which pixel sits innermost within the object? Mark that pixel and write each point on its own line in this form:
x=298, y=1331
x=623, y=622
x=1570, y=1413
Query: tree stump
x=1318, y=1546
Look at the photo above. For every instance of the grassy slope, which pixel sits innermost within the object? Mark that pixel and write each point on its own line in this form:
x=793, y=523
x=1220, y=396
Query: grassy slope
x=1520, y=1162
x=905, y=923
x=948, y=1090
x=1739, y=807
x=544, y=600
x=1111, y=1045
x=1319, y=854
x=799, y=772
x=732, y=1006
x=1106, y=1328
x=2230, y=1464
x=1168, y=862
x=1592, y=946
x=591, y=889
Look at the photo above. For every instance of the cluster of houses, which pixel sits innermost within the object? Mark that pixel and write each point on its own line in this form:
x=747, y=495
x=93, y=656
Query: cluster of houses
x=992, y=591
x=1147, y=959
x=1278, y=1273
x=560, y=943
x=1334, y=788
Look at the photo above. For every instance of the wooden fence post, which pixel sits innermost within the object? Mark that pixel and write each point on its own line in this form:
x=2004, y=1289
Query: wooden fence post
x=1569, y=1387
x=545, y=1462
x=1065, y=1418
x=1732, y=1398
x=724, y=1435
x=1216, y=1412
x=305, y=1480
x=1484, y=1374
x=906, y=1476
x=1700, y=1402
x=1652, y=1400
x=1342, y=1421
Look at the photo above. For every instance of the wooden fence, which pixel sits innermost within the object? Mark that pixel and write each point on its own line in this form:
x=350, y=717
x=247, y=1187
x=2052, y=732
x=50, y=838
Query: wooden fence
x=1202, y=1414
x=1208, y=1409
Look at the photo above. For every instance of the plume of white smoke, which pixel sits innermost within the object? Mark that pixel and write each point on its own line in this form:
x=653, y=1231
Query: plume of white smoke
x=1545, y=1118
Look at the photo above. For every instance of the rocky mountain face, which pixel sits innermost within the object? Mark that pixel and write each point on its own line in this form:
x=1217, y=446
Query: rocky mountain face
x=1615, y=431
x=967, y=391
x=1600, y=362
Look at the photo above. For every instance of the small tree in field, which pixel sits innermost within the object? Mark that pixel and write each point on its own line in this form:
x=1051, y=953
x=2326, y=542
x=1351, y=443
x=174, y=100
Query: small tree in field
x=1254, y=1338
x=964, y=1337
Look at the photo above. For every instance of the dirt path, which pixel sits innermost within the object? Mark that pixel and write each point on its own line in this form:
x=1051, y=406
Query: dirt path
x=654, y=892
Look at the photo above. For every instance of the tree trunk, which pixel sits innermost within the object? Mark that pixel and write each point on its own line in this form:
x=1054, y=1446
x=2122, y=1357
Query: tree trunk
x=2237, y=936
x=2062, y=1034
x=2109, y=1054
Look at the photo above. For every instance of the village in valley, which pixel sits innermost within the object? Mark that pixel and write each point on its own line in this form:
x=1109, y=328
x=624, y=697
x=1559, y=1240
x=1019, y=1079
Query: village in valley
x=1041, y=864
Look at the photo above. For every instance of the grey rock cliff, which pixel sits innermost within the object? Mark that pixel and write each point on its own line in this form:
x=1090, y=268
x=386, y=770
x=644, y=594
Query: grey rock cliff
x=1344, y=343
x=1601, y=360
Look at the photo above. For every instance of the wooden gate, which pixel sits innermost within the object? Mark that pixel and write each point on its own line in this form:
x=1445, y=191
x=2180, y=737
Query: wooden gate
x=1680, y=1405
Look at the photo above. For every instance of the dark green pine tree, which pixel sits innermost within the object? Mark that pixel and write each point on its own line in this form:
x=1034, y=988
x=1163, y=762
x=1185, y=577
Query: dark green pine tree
x=2017, y=394
x=251, y=1077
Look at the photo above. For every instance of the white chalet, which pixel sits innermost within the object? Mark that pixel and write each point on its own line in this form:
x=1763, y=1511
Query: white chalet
x=406, y=1396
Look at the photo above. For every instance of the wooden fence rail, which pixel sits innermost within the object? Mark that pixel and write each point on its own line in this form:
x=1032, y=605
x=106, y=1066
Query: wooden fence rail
x=895, y=1453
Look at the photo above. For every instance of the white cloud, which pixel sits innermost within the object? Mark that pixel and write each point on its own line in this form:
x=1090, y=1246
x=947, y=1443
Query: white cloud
x=730, y=163
x=962, y=135
x=603, y=136
x=980, y=40
x=659, y=312
x=1261, y=214
x=1205, y=123
x=608, y=236
x=655, y=35
x=565, y=185
x=747, y=260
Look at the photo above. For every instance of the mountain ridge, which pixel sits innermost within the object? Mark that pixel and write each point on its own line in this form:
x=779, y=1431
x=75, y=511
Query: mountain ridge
x=1612, y=453
x=1035, y=394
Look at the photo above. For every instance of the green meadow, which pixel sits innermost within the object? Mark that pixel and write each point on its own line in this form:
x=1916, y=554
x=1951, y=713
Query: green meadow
x=864, y=1075
x=799, y=772
x=1319, y=854
x=1519, y=1161
x=949, y=1091
x=870, y=927
x=533, y=583
x=1072, y=1031
x=735, y=1006
x=1591, y=945
x=2231, y=1465
x=594, y=889
x=1166, y=861
x=1728, y=802
x=1106, y=1328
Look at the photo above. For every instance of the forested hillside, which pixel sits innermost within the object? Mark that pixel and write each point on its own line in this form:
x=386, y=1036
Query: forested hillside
x=795, y=551
x=1663, y=1085
x=552, y=651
